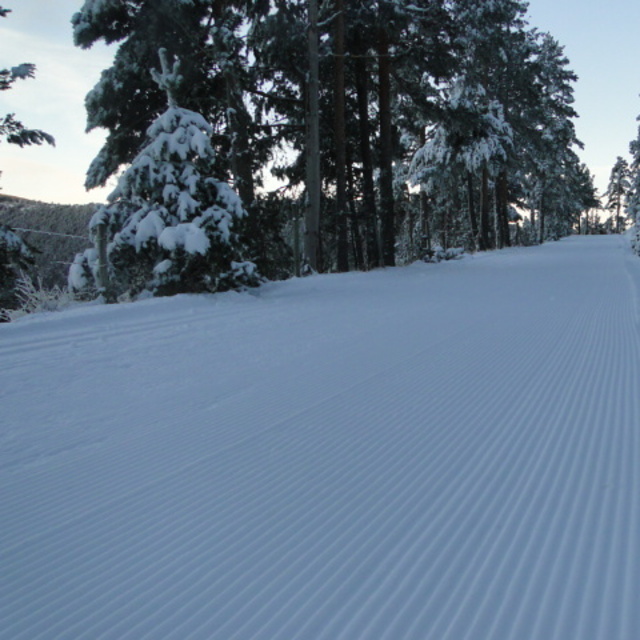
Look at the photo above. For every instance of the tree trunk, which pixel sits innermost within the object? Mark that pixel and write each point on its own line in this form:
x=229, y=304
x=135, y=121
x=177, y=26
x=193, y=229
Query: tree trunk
x=104, y=285
x=541, y=217
x=296, y=244
x=368, y=195
x=340, y=140
x=485, y=236
x=425, y=226
x=356, y=239
x=239, y=122
x=386, y=150
x=312, y=217
x=473, y=219
x=502, y=210
x=444, y=231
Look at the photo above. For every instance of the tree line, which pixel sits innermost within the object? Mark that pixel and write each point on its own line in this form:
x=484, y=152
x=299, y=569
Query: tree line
x=397, y=129
x=623, y=194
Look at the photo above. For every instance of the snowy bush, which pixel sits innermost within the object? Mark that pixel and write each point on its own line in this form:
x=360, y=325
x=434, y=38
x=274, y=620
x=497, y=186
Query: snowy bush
x=82, y=278
x=171, y=227
x=438, y=254
x=34, y=297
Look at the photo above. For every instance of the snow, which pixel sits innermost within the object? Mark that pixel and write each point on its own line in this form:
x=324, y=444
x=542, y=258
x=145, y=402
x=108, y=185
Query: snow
x=151, y=226
x=182, y=132
x=188, y=236
x=78, y=278
x=443, y=452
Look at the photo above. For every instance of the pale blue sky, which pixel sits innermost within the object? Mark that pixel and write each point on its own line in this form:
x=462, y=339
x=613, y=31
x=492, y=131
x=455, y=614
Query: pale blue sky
x=39, y=31
x=600, y=40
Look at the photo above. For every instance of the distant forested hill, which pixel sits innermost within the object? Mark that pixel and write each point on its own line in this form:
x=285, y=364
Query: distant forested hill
x=47, y=220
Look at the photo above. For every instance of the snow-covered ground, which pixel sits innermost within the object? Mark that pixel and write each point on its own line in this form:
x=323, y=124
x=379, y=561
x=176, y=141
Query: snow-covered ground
x=440, y=452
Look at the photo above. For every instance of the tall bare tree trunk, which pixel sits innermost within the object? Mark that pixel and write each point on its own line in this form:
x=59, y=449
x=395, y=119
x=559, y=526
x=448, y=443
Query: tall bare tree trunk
x=532, y=219
x=340, y=140
x=386, y=150
x=485, y=237
x=473, y=219
x=541, y=216
x=312, y=217
x=502, y=209
x=425, y=227
x=368, y=195
x=356, y=238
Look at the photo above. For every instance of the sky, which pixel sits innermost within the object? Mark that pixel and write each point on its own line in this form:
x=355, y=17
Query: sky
x=600, y=40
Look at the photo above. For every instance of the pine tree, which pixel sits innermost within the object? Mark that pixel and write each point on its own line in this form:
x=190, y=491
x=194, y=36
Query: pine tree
x=408, y=35
x=550, y=139
x=15, y=254
x=171, y=226
x=633, y=194
x=617, y=190
x=126, y=100
x=472, y=136
x=12, y=130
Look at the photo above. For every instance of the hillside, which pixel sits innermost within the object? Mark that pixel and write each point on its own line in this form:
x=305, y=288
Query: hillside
x=53, y=224
x=437, y=452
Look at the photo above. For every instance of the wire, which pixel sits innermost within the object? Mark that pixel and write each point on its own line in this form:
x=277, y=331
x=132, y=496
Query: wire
x=52, y=233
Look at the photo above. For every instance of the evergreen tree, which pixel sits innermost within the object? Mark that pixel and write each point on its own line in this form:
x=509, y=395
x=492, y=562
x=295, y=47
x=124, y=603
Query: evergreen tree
x=617, y=190
x=505, y=125
x=633, y=194
x=15, y=254
x=12, y=130
x=549, y=154
x=471, y=139
x=171, y=226
x=468, y=151
x=412, y=43
x=126, y=100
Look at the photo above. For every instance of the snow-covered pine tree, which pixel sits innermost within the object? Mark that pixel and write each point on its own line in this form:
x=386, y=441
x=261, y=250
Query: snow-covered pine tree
x=467, y=155
x=171, y=226
x=633, y=195
x=471, y=136
x=617, y=190
x=126, y=100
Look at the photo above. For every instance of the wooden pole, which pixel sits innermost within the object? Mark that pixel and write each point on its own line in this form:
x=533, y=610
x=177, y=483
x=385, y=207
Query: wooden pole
x=104, y=287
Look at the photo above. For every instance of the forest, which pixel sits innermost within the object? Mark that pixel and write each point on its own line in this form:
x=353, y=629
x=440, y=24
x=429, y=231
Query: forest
x=258, y=140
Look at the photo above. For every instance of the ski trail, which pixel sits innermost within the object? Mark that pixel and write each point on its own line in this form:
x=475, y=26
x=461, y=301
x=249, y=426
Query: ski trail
x=438, y=453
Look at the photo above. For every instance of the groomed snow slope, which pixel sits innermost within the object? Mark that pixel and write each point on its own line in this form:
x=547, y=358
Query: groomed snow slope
x=441, y=452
